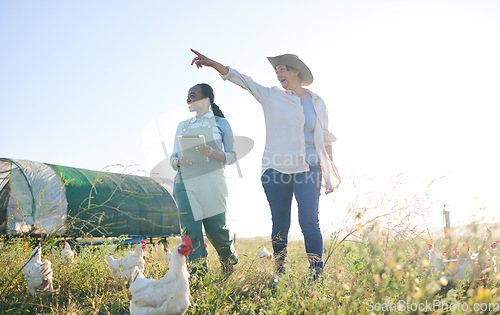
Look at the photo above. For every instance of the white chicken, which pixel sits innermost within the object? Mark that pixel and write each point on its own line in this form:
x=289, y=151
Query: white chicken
x=495, y=247
x=472, y=255
x=159, y=253
x=38, y=274
x=445, y=253
x=488, y=236
x=493, y=251
x=436, y=262
x=485, y=260
x=264, y=254
x=123, y=269
x=463, y=267
x=455, y=269
x=168, y=295
x=168, y=254
x=468, y=265
x=67, y=255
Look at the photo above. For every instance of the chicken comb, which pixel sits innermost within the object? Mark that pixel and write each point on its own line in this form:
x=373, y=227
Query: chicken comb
x=186, y=240
x=429, y=246
x=457, y=252
x=143, y=242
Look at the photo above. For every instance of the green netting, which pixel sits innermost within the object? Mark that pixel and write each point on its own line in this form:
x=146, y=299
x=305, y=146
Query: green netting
x=110, y=204
x=4, y=201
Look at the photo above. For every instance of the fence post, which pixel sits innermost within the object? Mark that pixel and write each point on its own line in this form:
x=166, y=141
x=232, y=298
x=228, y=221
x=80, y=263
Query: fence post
x=446, y=220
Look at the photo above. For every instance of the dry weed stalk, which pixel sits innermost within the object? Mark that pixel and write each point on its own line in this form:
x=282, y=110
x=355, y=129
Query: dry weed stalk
x=389, y=215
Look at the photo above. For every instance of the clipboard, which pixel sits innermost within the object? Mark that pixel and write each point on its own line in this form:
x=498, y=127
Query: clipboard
x=188, y=146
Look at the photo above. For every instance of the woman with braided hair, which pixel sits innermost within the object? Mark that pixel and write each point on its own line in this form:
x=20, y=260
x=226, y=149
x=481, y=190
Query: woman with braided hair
x=200, y=188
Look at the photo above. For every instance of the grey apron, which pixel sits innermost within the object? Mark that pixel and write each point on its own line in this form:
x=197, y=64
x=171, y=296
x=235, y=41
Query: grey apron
x=205, y=182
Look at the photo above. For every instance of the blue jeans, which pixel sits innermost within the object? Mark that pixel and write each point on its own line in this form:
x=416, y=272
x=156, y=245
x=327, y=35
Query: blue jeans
x=280, y=189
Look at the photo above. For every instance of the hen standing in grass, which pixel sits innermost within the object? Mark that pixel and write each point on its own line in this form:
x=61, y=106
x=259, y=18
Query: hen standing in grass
x=436, y=262
x=168, y=295
x=38, y=274
x=168, y=254
x=67, y=255
x=494, y=250
x=485, y=258
x=124, y=268
x=464, y=267
x=160, y=253
x=264, y=254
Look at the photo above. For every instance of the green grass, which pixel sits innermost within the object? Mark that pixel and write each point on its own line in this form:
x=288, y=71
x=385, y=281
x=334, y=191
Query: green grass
x=359, y=277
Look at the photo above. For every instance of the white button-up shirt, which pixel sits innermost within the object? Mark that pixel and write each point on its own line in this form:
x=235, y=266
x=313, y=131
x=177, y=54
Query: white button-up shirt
x=285, y=149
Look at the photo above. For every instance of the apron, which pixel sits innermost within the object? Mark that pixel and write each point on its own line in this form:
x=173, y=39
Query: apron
x=205, y=182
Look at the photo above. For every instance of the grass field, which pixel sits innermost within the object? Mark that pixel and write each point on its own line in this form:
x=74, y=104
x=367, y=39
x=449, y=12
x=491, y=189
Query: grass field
x=371, y=274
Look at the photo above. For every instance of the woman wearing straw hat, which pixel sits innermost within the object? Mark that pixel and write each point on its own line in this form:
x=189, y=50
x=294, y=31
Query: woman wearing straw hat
x=297, y=158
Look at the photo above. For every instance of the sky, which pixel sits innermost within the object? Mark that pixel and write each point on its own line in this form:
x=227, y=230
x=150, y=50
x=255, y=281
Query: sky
x=411, y=87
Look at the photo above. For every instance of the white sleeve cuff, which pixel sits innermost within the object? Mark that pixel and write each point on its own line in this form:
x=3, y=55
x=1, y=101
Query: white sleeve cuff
x=228, y=75
x=329, y=138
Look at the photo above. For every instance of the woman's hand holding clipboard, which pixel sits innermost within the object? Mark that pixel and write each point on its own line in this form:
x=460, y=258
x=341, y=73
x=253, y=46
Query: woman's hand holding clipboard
x=205, y=150
x=190, y=148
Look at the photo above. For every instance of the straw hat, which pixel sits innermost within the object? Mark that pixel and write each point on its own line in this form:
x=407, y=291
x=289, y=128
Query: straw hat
x=293, y=61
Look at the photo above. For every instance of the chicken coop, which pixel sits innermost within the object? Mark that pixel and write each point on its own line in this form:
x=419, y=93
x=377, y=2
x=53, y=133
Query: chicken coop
x=42, y=198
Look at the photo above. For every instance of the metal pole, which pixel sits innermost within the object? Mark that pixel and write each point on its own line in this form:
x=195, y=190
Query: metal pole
x=446, y=220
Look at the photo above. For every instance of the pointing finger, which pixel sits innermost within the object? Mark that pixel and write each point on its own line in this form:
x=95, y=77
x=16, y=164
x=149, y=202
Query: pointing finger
x=197, y=53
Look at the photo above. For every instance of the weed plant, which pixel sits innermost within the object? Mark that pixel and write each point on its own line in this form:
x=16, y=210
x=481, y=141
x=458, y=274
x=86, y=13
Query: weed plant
x=370, y=275
x=376, y=264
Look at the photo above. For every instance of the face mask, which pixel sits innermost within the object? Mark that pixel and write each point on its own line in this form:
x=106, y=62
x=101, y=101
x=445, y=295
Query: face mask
x=204, y=102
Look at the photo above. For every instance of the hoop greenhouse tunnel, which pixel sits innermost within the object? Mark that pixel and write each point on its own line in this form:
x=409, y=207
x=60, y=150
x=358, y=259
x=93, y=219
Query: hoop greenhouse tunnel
x=43, y=198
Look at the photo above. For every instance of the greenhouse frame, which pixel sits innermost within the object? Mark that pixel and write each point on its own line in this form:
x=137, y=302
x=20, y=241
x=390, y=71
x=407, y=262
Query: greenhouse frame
x=42, y=198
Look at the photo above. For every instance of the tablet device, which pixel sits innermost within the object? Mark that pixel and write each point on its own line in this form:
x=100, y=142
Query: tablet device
x=188, y=146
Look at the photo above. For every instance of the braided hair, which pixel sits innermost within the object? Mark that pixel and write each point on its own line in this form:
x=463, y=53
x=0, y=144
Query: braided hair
x=207, y=91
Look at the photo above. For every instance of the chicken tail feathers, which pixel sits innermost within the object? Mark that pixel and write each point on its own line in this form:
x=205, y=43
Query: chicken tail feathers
x=46, y=269
x=137, y=273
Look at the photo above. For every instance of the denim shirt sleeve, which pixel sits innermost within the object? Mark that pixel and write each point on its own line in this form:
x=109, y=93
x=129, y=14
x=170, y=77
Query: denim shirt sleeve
x=227, y=140
x=176, y=153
